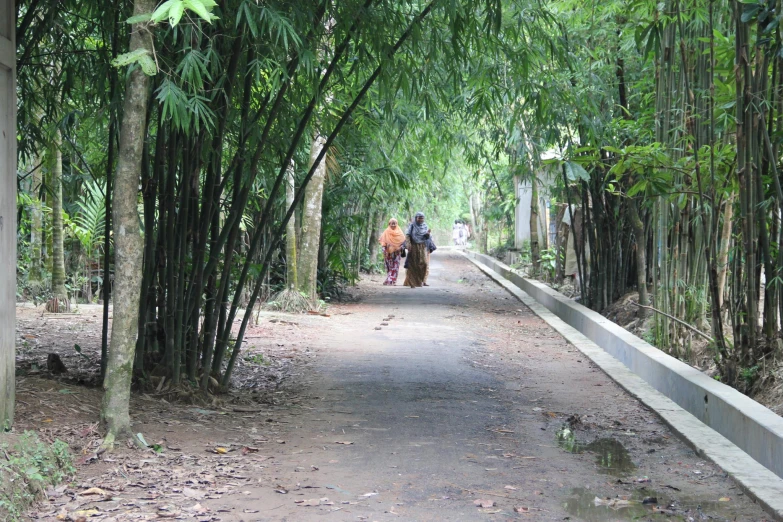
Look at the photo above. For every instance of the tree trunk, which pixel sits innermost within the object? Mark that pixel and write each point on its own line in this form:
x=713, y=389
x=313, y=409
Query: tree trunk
x=723, y=249
x=641, y=257
x=475, y=217
x=372, y=242
x=535, y=254
x=307, y=264
x=36, y=227
x=128, y=244
x=290, y=231
x=58, y=254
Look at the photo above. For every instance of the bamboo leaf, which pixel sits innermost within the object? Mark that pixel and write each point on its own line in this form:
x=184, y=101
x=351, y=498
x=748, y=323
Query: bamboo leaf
x=202, y=8
x=145, y=17
x=574, y=171
x=749, y=11
x=140, y=56
x=175, y=13
x=162, y=11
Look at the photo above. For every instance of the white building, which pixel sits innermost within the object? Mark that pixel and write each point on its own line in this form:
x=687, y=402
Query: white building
x=523, y=188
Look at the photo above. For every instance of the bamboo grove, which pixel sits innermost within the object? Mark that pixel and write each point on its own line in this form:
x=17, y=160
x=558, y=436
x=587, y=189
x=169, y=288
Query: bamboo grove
x=244, y=99
x=673, y=109
x=279, y=136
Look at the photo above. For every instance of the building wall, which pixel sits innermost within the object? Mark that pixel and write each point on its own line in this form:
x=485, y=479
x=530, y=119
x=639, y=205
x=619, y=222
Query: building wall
x=7, y=210
x=524, y=197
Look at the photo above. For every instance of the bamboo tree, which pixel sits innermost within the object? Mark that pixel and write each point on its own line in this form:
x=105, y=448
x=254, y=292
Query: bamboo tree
x=36, y=228
x=59, y=301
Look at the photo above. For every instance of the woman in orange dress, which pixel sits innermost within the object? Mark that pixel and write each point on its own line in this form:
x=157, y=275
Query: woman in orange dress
x=393, y=241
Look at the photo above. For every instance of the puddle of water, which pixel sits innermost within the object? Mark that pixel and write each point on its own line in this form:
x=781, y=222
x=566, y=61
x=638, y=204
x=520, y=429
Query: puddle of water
x=581, y=503
x=611, y=457
x=587, y=505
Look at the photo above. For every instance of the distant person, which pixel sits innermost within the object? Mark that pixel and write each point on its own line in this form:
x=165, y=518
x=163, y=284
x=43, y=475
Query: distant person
x=393, y=242
x=418, y=262
x=467, y=234
x=457, y=231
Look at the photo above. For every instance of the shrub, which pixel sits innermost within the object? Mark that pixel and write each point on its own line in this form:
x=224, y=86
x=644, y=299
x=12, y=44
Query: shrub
x=27, y=467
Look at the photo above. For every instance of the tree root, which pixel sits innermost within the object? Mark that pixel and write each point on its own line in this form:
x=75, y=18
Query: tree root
x=58, y=305
x=291, y=301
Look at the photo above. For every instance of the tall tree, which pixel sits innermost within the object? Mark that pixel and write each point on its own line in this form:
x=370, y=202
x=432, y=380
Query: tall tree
x=290, y=232
x=59, y=301
x=307, y=264
x=128, y=243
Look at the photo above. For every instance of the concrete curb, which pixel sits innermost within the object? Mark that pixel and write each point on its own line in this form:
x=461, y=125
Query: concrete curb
x=757, y=481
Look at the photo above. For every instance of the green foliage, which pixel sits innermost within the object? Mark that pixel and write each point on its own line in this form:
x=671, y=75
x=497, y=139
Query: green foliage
x=749, y=375
x=257, y=358
x=548, y=259
x=30, y=466
x=174, y=9
x=139, y=56
x=88, y=225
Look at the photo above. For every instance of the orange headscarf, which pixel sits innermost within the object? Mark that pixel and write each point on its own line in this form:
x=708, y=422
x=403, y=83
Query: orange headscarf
x=392, y=239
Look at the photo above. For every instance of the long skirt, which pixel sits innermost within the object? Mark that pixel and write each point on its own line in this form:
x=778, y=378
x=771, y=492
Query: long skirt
x=392, y=268
x=418, y=265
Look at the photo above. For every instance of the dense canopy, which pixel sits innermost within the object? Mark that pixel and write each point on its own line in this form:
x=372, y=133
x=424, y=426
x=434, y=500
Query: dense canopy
x=219, y=156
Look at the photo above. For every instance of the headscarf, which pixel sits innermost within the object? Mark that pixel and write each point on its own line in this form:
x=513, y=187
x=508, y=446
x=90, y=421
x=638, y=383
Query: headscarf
x=392, y=239
x=418, y=231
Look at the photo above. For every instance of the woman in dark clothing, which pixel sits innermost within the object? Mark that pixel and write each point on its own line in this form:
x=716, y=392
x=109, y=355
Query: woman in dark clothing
x=418, y=263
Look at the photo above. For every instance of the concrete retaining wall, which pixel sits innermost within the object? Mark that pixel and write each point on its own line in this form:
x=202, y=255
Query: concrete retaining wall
x=755, y=429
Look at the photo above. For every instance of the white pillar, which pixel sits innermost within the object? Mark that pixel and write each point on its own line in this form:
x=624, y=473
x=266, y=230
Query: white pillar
x=7, y=211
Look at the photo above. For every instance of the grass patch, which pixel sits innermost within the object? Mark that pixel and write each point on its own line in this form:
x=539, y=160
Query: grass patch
x=27, y=467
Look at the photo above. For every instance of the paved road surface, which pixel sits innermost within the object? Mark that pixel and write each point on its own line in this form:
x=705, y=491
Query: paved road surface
x=464, y=397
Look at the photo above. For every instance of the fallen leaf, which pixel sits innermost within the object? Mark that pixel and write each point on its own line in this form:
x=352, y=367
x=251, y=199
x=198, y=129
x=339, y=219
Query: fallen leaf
x=314, y=502
x=512, y=488
x=94, y=491
x=724, y=499
x=193, y=493
x=220, y=450
x=88, y=458
x=84, y=514
x=199, y=509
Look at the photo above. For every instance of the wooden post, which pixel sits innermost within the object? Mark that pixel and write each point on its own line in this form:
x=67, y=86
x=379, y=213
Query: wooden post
x=7, y=211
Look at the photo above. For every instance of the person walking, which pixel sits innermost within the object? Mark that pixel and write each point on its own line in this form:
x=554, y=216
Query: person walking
x=466, y=236
x=418, y=262
x=457, y=232
x=393, y=242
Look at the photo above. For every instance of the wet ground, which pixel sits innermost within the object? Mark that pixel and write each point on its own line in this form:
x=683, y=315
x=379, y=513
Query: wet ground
x=452, y=402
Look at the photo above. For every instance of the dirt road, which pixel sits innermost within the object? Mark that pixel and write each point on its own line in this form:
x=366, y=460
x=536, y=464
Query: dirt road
x=452, y=402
